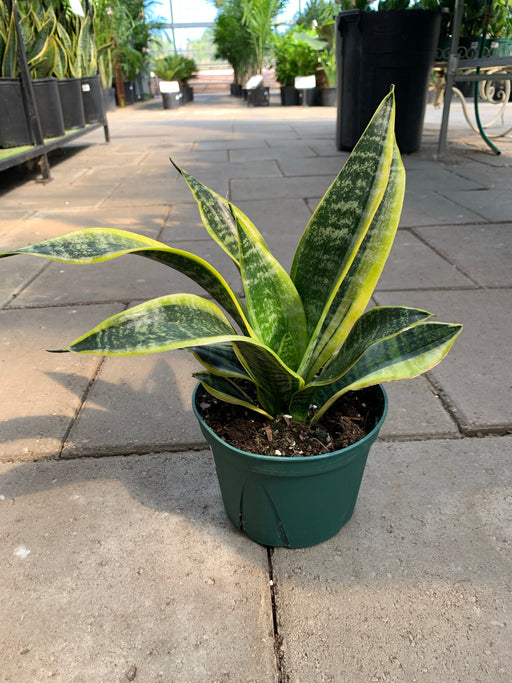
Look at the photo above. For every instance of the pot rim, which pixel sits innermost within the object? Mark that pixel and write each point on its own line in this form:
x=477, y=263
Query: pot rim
x=321, y=457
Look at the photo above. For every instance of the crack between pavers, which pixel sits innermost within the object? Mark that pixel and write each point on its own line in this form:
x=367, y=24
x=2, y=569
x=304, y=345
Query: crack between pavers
x=80, y=408
x=6, y=305
x=282, y=677
x=445, y=258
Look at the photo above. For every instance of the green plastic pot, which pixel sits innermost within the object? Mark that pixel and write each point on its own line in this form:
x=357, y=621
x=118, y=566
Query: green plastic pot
x=292, y=502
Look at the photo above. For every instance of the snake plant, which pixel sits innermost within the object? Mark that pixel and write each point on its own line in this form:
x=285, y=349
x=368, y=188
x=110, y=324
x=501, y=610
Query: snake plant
x=294, y=340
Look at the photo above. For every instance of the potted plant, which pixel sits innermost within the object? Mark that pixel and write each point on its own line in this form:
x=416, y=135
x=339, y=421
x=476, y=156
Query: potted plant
x=296, y=346
x=15, y=130
x=294, y=56
x=232, y=42
x=168, y=70
x=187, y=73
x=394, y=45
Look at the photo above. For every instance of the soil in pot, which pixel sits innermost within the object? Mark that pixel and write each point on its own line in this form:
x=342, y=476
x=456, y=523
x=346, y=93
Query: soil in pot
x=349, y=420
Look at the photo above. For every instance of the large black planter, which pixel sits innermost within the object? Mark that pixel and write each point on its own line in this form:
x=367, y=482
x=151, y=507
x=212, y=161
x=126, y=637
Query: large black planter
x=70, y=93
x=47, y=100
x=328, y=96
x=92, y=99
x=376, y=50
x=14, y=128
x=290, y=96
x=188, y=93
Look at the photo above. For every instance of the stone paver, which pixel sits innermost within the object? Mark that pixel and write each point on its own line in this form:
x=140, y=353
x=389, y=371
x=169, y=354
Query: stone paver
x=41, y=391
x=484, y=252
x=414, y=265
x=138, y=405
x=119, y=565
x=417, y=586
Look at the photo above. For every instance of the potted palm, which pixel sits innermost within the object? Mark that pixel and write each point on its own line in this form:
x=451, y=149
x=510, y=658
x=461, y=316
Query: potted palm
x=168, y=70
x=187, y=73
x=287, y=355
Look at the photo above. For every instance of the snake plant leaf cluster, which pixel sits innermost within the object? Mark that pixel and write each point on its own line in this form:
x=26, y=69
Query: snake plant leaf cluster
x=294, y=340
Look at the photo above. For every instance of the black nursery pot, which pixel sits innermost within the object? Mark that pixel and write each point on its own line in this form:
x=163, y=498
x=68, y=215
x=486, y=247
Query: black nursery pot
x=14, y=127
x=290, y=96
x=46, y=94
x=70, y=93
x=92, y=99
x=377, y=50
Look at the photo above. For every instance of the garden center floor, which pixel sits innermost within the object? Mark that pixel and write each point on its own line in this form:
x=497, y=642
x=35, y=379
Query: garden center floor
x=117, y=561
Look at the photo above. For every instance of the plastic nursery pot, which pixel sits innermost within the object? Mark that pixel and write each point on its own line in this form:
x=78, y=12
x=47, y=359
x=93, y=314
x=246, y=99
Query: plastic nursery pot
x=70, y=93
x=14, y=127
x=292, y=502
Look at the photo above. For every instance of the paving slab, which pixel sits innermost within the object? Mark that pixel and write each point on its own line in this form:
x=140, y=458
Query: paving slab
x=138, y=405
x=124, y=279
x=415, y=411
x=318, y=166
x=283, y=188
x=476, y=376
x=118, y=569
x=423, y=207
x=42, y=391
x=414, y=265
x=417, y=586
x=16, y=274
x=483, y=252
x=497, y=178
x=430, y=175
x=42, y=225
x=280, y=152
x=492, y=205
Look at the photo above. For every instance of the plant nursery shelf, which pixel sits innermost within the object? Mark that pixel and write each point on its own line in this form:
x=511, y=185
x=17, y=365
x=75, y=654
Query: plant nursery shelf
x=13, y=156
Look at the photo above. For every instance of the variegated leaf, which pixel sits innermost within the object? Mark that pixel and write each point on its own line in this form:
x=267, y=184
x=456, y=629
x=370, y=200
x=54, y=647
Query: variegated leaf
x=226, y=390
x=274, y=308
x=276, y=382
x=220, y=360
x=332, y=237
x=401, y=356
x=354, y=291
x=218, y=216
x=169, y=322
x=373, y=326
x=94, y=245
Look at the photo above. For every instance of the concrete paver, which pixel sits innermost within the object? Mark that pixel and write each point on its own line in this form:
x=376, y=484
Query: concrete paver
x=114, y=565
x=483, y=252
x=138, y=405
x=41, y=392
x=418, y=584
x=116, y=568
x=414, y=265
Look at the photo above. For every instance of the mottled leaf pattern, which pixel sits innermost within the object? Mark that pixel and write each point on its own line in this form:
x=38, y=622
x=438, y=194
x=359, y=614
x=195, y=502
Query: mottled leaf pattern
x=220, y=360
x=94, y=245
x=274, y=307
x=226, y=390
x=168, y=322
x=401, y=356
x=275, y=381
x=341, y=220
x=218, y=216
x=355, y=290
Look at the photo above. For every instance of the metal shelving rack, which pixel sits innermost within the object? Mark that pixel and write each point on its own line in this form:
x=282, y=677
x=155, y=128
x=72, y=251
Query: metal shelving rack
x=41, y=147
x=480, y=64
